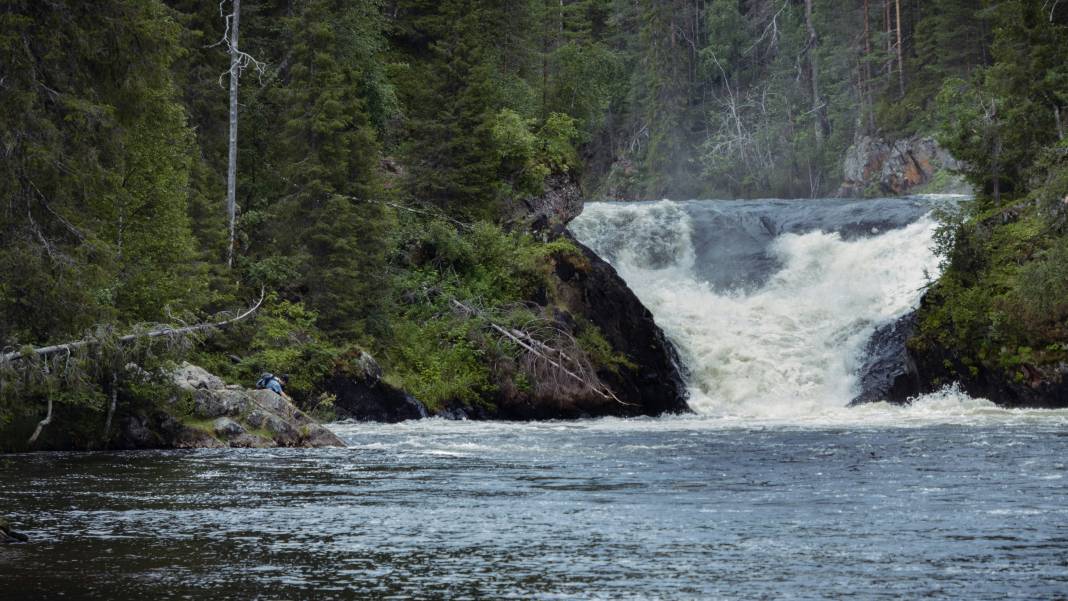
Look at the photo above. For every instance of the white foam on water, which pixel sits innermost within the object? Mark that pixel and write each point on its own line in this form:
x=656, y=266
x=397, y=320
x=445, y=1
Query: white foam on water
x=787, y=352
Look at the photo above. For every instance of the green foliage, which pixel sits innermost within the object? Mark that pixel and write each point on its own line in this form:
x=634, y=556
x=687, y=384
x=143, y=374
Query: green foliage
x=1000, y=302
x=96, y=169
x=528, y=157
x=438, y=351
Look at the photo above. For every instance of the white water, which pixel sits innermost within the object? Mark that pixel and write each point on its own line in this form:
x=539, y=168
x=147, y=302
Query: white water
x=786, y=350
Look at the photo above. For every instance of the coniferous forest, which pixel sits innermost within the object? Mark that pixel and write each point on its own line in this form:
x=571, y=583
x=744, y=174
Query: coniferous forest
x=387, y=154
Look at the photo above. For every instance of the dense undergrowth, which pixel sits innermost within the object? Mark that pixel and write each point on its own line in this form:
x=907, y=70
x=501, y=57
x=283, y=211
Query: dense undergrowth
x=1001, y=304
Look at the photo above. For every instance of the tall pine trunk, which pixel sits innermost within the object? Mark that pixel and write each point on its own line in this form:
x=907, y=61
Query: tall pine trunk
x=814, y=75
x=867, y=68
x=900, y=52
x=231, y=169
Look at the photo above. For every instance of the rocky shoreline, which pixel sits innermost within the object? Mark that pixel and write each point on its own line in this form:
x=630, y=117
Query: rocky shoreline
x=222, y=416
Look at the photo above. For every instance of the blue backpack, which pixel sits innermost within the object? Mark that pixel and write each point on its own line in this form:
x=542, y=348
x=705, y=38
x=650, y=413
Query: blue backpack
x=264, y=380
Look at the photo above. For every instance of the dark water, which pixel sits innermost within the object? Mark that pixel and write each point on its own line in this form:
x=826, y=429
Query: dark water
x=648, y=509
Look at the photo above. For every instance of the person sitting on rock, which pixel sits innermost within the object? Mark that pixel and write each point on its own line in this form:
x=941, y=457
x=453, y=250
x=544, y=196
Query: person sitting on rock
x=278, y=384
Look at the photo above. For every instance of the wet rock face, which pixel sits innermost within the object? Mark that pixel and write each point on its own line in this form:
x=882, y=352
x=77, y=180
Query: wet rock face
x=656, y=386
x=895, y=371
x=900, y=167
x=364, y=400
x=1028, y=386
x=887, y=373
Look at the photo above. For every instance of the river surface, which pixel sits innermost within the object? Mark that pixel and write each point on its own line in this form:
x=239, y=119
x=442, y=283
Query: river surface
x=941, y=505
x=774, y=489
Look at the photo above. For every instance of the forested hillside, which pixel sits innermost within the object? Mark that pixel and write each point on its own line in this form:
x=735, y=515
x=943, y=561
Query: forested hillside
x=384, y=148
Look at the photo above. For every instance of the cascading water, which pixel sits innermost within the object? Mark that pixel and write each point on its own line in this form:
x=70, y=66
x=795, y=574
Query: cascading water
x=770, y=303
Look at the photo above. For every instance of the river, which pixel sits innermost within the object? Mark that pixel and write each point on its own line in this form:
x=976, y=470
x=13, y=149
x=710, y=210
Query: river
x=773, y=489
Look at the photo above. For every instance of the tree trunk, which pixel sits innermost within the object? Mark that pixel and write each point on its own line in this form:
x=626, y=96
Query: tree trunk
x=900, y=52
x=114, y=394
x=41, y=424
x=814, y=75
x=231, y=170
x=888, y=21
x=867, y=67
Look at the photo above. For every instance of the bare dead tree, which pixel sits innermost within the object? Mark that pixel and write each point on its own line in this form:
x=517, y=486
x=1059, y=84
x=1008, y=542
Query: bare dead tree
x=1052, y=7
x=811, y=48
x=239, y=61
x=1058, y=122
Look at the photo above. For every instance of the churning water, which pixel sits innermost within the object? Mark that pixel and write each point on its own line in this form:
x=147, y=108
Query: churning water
x=774, y=490
x=771, y=303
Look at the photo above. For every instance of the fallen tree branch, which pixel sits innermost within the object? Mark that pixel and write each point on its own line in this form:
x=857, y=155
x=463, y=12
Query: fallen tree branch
x=114, y=392
x=41, y=424
x=425, y=213
x=541, y=350
x=46, y=351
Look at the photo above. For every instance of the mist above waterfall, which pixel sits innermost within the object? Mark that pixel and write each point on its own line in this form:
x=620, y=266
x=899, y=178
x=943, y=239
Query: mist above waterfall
x=769, y=302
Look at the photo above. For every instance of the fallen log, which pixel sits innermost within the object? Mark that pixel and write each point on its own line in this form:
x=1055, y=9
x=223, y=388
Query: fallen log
x=47, y=351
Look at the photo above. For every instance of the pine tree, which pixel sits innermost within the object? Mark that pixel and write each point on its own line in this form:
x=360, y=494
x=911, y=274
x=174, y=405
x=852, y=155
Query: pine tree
x=96, y=168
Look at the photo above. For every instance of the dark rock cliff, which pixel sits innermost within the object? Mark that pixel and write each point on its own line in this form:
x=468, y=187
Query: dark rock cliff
x=897, y=369
x=888, y=373
x=588, y=288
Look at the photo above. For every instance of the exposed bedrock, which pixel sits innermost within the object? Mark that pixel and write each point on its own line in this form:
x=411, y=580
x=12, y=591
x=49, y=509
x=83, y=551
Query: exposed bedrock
x=208, y=413
x=874, y=167
x=887, y=373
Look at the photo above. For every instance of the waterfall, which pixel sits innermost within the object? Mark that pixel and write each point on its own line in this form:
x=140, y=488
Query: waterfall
x=770, y=303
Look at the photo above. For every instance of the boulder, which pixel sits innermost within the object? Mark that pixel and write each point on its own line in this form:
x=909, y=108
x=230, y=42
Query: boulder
x=238, y=417
x=282, y=432
x=186, y=437
x=315, y=435
x=227, y=428
x=191, y=377
x=10, y=535
x=209, y=404
x=887, y=373
x=136, y=432
x=369, y=400
x=360, y=394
